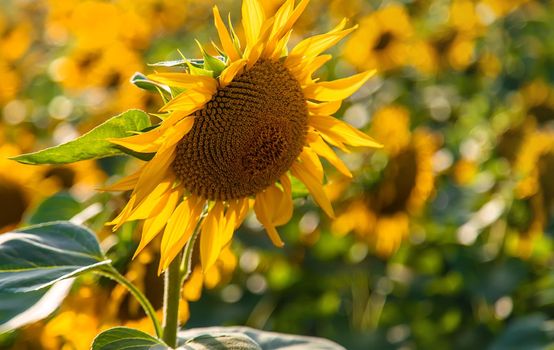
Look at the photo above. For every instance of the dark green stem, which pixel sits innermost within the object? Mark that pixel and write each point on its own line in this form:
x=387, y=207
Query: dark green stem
x=112, y=273
x=172, y=295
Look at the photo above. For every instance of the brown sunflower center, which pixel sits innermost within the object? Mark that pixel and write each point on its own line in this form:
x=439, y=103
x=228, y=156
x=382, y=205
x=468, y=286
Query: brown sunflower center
x=12, y=203
x=383, y=41
x=246, y=136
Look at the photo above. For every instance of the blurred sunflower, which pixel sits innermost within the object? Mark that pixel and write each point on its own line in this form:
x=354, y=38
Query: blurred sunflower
x=454, y=45
x=383, y=40
x=16, y=36
x=21, y=187
x=232, y=139
x=381, y=217
x=538, y=102
x=535, y=188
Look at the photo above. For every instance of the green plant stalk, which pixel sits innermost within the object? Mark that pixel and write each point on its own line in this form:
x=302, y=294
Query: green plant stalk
x=176, y=275
x=172, y=295
x=112, y=273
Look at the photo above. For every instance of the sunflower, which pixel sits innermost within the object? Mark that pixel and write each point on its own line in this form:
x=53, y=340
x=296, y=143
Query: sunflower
x=20, y=187
x=535, y=188
x=231, y=140
x=381, y=216
x=383, y=41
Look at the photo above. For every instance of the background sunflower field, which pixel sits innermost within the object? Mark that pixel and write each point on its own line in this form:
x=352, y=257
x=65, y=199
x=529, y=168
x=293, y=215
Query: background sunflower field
x=443, y=239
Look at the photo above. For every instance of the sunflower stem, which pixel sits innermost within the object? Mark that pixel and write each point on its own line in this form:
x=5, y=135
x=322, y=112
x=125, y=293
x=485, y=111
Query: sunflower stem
x=172, y=295
x=112, y=273
x=186, y=263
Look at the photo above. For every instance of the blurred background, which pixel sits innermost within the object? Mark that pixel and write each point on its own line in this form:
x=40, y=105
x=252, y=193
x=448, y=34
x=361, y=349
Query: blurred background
x=443, y=239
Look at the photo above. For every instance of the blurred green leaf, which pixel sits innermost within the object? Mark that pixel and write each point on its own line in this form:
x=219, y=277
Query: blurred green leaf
x=41, y=255
x=93, y=144
x=530, y=333
x=126, y=338
x=61, y=206
x=299, y=190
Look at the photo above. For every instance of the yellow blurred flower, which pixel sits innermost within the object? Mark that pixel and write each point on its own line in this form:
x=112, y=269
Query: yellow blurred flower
x=21, y=187
x=381, y=216
x=382, y=41
x=534, y=167
x=454, y=43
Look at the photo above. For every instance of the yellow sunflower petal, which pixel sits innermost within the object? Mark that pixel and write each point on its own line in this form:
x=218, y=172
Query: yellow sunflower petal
x=175, y=133
x=234, y=216
x=153, y=225
x=313, y=46
x=320, y=147
x=143, y=143
x=126, y=183
x=265, y=212
x=179, y=229
x=225, y=37
x=231, y=71
x=189, y=100
x=281, y=18
x=285, y=182
x=227, y=229
x=144, y=209
x=341, y=132
x=324, y=108
x=281, y=47
x=243, y=206
x=120, y=219
x=253, y=17
x=312, y=163
x=305, y=75
x=210, y=237
x=293, y=17
x=187, y=81
x=153, y=173
x=299, y=171
x=337, y=89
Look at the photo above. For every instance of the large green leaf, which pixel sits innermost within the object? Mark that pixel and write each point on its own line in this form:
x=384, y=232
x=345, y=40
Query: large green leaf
x=120, y=338
x=19, y=309
x=93, y=144
x=250, y=338
x=41, y=255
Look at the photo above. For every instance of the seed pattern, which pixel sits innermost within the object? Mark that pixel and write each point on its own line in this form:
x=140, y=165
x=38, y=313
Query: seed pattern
x=246, y=136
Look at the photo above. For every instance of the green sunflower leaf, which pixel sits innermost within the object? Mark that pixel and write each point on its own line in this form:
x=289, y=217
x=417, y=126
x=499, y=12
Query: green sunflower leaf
x=20, y=309
x=126, y=338
x=39, y=256
x=93, y=144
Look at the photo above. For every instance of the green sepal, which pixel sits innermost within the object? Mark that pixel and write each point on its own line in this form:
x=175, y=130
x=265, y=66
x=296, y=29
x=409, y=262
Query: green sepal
x=212, y=63
x=142, y=82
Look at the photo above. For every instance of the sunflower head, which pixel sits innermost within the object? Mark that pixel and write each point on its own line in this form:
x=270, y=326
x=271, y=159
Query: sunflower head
x=234, y=129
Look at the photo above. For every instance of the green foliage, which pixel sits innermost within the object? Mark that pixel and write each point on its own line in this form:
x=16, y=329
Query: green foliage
x=61, y=206
x=93, y=144
x=126, y=338
x=41, y=255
